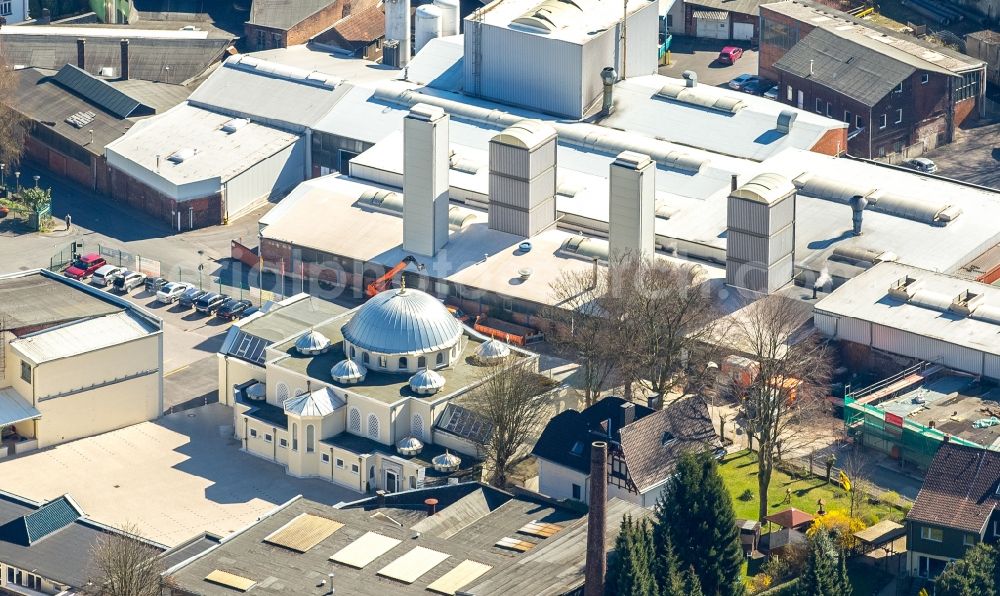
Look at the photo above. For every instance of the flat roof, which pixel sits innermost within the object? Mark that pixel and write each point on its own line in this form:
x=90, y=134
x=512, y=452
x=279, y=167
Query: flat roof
x=385, y=387
x=951, y=404
x=866, y=297
x=212, y=153
x=472, y=518
x=82, y=336
x=354, y=70
x=34, y=299
x=174, y=478
x=114, y=32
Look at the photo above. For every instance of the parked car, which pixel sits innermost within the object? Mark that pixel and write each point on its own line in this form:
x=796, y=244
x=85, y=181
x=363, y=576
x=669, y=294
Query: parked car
x=232, y=309
x=128, y=281
x=171, y=292
x=187, y=298
x=209, y=302
x=730, y=54
x=772, y=93
x=250, y=312
x=738, y=82
x=921, y=164
x=85, y=266
x=757, y=86
x=105, y=276
x=153, y=284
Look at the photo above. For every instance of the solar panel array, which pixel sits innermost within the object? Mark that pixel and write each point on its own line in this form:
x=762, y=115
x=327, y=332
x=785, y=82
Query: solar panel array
x=81, y=119
x=520, y=546
x=249, y=347
x=464, y=423
x=540, y=529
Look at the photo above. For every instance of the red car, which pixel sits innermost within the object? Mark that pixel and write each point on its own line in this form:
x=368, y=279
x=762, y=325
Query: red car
x=730, y=54
x=85, y=266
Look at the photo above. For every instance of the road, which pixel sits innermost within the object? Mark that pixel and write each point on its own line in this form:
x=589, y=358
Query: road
x=98, y=220
x=689, y=53
x=973, y=157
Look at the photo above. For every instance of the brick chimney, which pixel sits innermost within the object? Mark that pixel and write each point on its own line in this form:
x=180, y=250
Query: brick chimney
x=596, y=565
x=432, y=506
x=124, y=59
x=81, y=60
x=627, y=415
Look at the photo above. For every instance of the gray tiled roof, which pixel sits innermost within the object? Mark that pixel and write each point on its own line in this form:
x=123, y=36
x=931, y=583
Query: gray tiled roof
x=751, y=7
x=848, y=68
x=284, y=14
x=961, y=489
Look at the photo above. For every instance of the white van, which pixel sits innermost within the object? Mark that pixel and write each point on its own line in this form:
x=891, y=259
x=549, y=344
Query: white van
x=105, y=275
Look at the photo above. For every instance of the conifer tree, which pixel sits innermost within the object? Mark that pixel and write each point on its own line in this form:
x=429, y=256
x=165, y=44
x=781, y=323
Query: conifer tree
x=692, y=587
x=695, y=515
x=630, y=573
x=975, y=574
x=826, y=572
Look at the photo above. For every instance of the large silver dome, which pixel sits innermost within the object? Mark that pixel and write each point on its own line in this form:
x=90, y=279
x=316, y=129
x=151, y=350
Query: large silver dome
x=404, y=321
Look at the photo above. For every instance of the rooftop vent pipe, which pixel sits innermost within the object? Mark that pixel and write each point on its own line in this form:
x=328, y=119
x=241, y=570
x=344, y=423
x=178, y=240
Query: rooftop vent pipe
x=734, y=183
x=785, y=120
x=811, y=73
x=608, y=76
x=858, y=204
x=124, y=44
x=690, y=78
x=821, y=282
x=81, y=60
x=596, y=565
x=432, y=506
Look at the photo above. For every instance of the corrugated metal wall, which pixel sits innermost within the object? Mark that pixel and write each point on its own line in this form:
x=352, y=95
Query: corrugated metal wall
x=856, y=330
x=827, y=324
x=758, y=249
x=991, y=366
x=926, y=348
x=274, y=175
x=748, y=216
x=509, y=160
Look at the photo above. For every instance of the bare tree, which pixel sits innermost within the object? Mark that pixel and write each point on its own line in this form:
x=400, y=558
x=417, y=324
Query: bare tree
x=123, y=564
x=582, y=331
x=510, y=399
x=643, y=322
x=793, y=369
x=12, y=125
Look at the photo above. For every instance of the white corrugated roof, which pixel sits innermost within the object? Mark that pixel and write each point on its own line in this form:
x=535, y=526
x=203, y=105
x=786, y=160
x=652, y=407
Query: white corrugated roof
x=81, y=337
x=13, y=409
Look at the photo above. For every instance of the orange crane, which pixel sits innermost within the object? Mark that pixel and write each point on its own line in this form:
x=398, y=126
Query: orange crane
x=382, y=283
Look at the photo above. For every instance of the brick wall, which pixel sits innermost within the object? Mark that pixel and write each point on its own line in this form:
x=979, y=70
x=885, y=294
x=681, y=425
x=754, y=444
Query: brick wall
x=833, y=142
x=769, y=53
x=205, y=211
x=309, y=27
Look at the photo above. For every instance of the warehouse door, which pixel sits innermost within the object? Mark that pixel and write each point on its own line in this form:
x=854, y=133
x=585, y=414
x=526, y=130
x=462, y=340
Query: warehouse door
x=742, y=30
x=712, y=26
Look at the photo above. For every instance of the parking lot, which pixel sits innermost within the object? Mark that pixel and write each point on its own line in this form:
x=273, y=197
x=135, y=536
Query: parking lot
x=699, y=55
x=973, y=157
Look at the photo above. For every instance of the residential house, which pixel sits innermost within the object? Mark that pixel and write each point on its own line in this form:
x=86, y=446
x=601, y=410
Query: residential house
x=957, y=507
x=643, y=447
x=468, y=538
x=13, y=12
x=280, y=23
x=360, y=397
x=74, y=362
x=899, y=95
x=723, y=19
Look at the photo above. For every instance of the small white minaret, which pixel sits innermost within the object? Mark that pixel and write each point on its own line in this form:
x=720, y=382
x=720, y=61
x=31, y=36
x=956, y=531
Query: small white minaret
x=425, y=180
x=631, y=225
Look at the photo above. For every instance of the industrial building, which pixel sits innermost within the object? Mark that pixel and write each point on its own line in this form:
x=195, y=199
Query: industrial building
x=279, y=23
x=363, y=398
x=74, y=362
x=469, y=538
x=242, y=138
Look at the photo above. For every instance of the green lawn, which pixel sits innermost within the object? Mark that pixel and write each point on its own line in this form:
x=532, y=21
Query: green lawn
x=739, y=471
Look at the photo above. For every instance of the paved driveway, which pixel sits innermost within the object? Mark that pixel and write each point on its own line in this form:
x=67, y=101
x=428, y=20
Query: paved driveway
x=175, y=477
x=690, y=53
x=973, y=157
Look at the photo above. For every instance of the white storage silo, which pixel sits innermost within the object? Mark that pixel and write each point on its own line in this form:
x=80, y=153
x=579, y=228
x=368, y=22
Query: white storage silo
x=428, y=25
x=451, y=16
x=397, y=27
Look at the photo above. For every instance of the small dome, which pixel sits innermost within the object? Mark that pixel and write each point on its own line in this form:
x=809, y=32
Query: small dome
x=348, y=372
x=446, y=462
x=492, y=350
x=312, y=343
x=409, y=446
x=257, y=391
x=404, y=321
x=426, y=382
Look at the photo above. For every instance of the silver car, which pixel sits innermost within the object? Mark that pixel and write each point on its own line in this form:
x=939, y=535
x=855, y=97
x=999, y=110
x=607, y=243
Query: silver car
x=922, y=164
x=172, y=292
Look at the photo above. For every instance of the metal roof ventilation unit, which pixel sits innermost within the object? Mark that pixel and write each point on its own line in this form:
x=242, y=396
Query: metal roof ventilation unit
x=181, y=155
x=425, y=180
x=234, y=125
x=631, y=224
x=785, y=121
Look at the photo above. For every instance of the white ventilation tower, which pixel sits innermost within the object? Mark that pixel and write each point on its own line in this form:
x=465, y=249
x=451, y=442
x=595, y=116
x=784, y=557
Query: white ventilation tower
x=632, y=210
x=451, y=16
x=397, y=27
x=760, y=238
x=523, y=178
x=425, y=180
